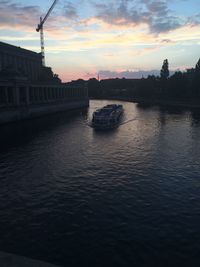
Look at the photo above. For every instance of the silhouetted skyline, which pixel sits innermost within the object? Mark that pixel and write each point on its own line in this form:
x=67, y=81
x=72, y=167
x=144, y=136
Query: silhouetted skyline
x=110, y=38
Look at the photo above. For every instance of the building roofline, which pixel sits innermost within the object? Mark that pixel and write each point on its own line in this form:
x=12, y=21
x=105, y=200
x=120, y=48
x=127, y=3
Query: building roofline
x=23, y=50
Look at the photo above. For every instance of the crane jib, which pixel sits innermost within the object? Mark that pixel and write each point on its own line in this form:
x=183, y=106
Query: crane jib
x=46, y=16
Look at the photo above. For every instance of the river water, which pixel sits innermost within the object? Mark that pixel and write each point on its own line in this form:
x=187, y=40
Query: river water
x=128, y=197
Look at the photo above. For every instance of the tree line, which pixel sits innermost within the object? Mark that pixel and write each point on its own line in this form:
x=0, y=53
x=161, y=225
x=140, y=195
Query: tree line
x=179, y=85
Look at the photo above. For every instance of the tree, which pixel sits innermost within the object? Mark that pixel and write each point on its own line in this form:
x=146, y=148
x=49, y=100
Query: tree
x=196, y=81
x=178, y=85
x=164, y=73
x=197, y=67
x=94, y=88
x=47, y=76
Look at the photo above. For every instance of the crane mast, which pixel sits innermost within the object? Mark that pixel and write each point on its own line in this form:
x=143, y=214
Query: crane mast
x=40, y=29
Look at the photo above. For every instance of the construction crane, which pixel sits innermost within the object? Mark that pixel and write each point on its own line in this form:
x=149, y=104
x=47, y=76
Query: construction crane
x=40, y=29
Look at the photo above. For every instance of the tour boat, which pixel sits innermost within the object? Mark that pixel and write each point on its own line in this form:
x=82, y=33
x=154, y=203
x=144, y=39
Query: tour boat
x=107, y=117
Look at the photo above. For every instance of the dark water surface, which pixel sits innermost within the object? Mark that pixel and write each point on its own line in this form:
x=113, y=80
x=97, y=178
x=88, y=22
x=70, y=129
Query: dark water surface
x=128, y=197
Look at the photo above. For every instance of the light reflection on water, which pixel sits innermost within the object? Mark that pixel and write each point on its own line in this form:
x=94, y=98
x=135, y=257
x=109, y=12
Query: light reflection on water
x=78, y=197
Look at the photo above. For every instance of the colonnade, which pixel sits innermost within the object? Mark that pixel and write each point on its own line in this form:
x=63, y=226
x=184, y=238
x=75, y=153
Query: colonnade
x=41, y=94
x=19, y=95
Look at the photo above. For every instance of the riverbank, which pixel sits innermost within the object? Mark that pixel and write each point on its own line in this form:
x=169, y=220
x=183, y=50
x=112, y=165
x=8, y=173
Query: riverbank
x=31, y=111
x=12, y=260
x=169, y=102
x=189, y=103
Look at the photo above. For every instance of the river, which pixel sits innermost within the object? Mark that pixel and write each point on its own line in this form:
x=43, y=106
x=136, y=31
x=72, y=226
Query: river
x=76, y=197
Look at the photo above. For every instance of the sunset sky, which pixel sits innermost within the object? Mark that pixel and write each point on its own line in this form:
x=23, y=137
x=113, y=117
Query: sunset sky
x=112, y=38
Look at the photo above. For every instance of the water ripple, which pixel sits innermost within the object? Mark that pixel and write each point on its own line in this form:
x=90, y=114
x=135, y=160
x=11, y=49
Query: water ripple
x=76, y=197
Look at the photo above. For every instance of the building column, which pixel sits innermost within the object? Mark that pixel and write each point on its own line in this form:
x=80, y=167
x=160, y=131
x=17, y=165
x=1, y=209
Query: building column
x=48, y=94
x=45, y=94
x=27, y=90
x=36, y=95
x=16, y=95
x=6, y=95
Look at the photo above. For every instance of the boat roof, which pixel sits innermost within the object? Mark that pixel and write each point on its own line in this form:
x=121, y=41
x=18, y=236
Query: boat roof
x=108, y=109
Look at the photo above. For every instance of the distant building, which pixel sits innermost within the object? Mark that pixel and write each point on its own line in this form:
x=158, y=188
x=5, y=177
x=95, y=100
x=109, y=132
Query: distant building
x=25, y=62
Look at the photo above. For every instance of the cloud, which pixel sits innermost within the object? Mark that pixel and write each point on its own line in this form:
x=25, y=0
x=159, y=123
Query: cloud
x=70, y=11
x=164, y=25
x=103, y=74
x=26, y=17
x=118, y=14
x=14, y=15
x=151, y=12
x=194, y=20
x=152, y=15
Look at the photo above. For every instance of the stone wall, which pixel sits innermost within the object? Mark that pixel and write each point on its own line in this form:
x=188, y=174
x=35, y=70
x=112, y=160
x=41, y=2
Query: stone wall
x=32, y=111
x=12, y=260
x=19, y=100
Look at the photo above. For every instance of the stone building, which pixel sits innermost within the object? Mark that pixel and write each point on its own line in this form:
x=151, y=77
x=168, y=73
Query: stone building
x=23, y=61
x=29, y=89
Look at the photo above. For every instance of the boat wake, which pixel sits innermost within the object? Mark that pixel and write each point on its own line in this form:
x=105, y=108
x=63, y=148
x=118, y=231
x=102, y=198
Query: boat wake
x=125, y=122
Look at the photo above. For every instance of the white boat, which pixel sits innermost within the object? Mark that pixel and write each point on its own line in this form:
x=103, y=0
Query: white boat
x=107, y=117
